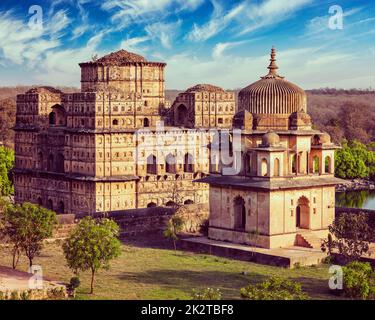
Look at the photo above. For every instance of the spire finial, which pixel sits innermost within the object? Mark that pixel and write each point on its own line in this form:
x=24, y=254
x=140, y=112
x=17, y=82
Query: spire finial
x=273, y=66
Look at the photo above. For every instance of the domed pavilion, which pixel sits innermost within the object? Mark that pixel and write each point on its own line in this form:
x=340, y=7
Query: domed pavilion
x=280, y=183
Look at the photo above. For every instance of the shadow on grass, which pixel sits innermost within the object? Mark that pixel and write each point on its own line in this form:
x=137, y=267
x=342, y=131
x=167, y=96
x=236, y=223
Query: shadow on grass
x=187, y=280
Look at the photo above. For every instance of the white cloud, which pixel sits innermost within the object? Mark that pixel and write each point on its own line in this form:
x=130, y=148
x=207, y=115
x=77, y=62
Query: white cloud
x=269, y=12
x=220, y=47
x=310, y=67
x=21, y=44
x=165, y=32
x=142, y=11
x=220, y=19
x=134, y=44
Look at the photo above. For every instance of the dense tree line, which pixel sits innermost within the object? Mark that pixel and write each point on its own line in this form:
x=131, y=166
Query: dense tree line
x=355, y=160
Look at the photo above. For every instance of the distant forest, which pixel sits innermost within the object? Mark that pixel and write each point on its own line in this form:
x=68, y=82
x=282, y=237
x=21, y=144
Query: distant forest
x=344, y=114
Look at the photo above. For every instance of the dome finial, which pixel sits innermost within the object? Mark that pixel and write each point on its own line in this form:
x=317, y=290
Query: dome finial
x=273, y=66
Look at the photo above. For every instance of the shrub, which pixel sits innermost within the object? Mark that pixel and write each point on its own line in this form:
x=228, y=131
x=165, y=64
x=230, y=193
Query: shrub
x=350, y=234
x=207, y=294
x=75, y=282
x=274, y=288
x=359, y=281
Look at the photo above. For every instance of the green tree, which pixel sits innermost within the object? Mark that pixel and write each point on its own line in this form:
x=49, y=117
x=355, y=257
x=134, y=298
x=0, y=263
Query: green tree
x=26, y=226
x=174, y=226
x=354, y=161
x=350, y=234
x=359, y=281
x=274, y=288
x=92, y=245
x=6, y=165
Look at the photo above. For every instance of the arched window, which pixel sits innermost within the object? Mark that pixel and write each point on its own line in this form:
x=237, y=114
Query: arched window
x=151, y=164
x=294, y=163
x=49, y=204
x=239, y=213
x=60, y=163
x=181, y=114
x=264, y=168
x=188, y=201
x=52, y=118
x=50, y=166
x=276, y=168
x=61, y=207
x=115, y=122
x=248, y=159
x=146, y=122
x=316, y=165
x=40, y=160
x=327, y=165
x=59, y=115
x=188, y=163
x=170, y=164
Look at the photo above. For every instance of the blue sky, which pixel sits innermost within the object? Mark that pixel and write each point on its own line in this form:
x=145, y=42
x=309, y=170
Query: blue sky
x=226, y=43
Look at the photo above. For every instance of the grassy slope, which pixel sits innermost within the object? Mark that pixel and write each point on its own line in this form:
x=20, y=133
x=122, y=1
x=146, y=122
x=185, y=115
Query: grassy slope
x=151, y=270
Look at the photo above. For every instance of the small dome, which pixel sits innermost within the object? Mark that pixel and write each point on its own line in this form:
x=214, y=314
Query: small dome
x=325, y=138
x=320, y=139
x=270, y=139
x=272, y=94
x=205, y=88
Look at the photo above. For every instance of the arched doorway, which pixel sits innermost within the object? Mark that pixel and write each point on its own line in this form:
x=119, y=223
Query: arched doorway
x=146, y=122
x=40, y=201
x=303, y=213
x=170, y=164
x=49, y=204
x=61, y=207
x=188, y=163
x=239, y=213
x=151, y=205
x=188, y=201
x=151, y=164
x=52, y=118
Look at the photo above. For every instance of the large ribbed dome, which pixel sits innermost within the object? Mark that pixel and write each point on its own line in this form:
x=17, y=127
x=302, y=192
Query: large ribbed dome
x=272, y=94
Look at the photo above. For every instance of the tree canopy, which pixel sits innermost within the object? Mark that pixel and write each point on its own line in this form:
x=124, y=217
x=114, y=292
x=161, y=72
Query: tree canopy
x=92, y=245
x=355, y=160
x=6, y=165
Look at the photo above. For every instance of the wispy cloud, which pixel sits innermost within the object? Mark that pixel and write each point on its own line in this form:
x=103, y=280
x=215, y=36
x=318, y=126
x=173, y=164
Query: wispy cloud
x=21, y=44
x=220, y=47
x=165, y=32
x=220, y=19
x=269, y=12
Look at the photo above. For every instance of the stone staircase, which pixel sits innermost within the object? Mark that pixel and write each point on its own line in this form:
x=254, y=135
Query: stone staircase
x=308, y=240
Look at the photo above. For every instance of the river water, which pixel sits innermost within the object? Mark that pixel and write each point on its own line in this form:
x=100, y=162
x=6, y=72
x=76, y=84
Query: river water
x=356, y=199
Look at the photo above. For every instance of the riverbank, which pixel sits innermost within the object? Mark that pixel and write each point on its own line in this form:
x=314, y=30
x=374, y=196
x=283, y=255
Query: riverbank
x=355, y=185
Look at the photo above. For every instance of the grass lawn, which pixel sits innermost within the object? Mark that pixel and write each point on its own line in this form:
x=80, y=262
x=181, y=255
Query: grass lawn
x=149, y=268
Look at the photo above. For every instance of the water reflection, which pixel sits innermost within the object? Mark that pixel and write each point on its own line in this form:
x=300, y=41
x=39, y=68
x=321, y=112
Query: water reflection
x=356, y=199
